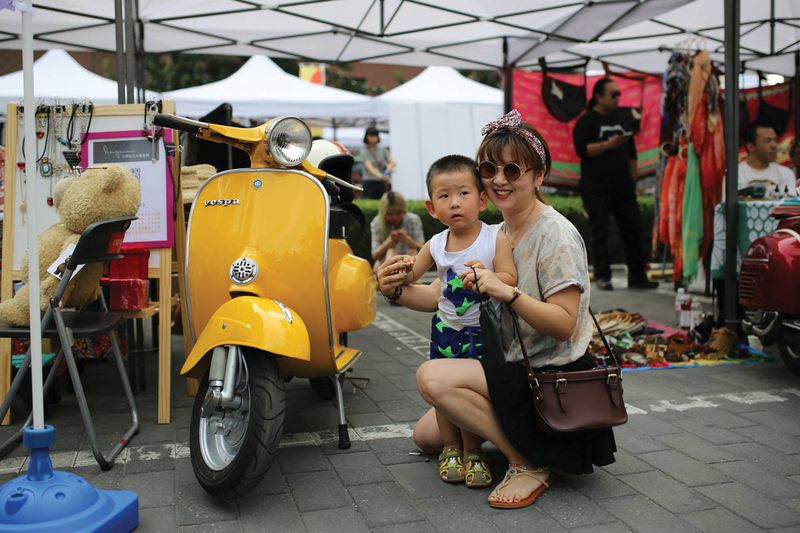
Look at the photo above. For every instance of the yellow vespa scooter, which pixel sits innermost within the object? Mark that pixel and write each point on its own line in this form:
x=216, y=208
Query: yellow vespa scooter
x=272, y=290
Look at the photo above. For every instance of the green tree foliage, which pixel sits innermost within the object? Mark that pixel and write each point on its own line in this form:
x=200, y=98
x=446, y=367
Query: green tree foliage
x=488, y=77
x=167, y=72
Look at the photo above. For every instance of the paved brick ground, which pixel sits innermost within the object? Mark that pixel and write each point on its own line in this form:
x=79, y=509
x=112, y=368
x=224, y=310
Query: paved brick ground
x=713, y=449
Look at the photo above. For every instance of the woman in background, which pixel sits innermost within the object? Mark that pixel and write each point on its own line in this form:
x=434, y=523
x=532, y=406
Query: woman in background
x=395, y=231
x=377, y=165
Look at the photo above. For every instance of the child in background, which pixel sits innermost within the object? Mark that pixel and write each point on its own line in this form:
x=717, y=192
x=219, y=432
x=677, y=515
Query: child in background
x=456, y=199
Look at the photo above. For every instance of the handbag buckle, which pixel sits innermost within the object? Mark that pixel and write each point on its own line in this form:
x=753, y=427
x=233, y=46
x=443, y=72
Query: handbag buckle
x=608, y=379
x=560, y=382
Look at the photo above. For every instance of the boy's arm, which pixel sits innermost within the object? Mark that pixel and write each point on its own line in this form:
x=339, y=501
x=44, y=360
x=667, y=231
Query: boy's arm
x=422, y=263
x=503, y=262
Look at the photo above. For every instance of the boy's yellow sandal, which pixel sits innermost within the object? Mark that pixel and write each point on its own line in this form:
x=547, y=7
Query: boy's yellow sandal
x=477, y=471
x=451, y=467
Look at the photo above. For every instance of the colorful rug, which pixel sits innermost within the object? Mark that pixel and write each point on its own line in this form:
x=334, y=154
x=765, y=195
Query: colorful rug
x=756, y=357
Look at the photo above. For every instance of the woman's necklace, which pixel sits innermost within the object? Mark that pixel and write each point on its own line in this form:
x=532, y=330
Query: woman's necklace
x=516, y=236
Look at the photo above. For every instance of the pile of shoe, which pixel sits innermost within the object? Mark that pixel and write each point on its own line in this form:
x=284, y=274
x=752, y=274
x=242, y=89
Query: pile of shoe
x=618, y=323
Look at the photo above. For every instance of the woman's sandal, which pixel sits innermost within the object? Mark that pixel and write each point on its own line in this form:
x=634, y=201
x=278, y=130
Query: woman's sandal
x=477, y=471
x=451, y=467
x=542, y=475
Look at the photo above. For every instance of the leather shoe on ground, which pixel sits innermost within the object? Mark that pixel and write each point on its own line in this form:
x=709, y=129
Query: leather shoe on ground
x=605, y=285
x=642, y=284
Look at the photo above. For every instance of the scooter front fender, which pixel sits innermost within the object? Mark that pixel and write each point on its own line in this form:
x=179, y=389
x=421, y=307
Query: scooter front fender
x=251, y=321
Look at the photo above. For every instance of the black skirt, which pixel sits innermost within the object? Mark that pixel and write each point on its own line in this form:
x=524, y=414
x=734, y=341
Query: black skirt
x=511, y=397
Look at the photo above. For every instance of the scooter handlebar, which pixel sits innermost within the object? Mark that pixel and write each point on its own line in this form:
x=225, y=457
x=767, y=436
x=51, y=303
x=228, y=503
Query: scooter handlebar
x=178, y=123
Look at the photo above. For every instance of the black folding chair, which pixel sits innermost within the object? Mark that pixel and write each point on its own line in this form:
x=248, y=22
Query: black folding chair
x=100, y=242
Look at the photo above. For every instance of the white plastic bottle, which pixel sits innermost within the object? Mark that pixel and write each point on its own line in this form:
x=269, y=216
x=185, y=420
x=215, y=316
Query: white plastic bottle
x=696, y=313
x=681, y=300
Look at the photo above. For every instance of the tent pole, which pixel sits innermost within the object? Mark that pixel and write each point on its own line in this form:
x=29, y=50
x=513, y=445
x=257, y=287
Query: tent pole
x=130, y=46
x=120, y=34
x=508, y=80
x=139, y=55
x=732, y=17
x=772, y=27
x=31, y=168
x=796, y=96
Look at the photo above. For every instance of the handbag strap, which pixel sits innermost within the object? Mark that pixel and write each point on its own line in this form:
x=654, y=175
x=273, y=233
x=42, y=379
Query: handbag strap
x=518, y=333
x=610, y=350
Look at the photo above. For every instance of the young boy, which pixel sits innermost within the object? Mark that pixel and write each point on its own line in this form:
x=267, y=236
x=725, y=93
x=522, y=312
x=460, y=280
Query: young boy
x=456, y=199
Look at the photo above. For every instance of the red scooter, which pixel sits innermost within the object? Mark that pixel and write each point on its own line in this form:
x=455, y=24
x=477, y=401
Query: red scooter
x=769, y=285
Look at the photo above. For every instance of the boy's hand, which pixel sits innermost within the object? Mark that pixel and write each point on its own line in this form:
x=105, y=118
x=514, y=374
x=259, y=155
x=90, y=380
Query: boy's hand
x=467, y=274
x=394, y=273
x=488, y=283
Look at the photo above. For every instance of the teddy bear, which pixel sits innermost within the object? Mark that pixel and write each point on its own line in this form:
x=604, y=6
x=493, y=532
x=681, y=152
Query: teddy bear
x=99, y=193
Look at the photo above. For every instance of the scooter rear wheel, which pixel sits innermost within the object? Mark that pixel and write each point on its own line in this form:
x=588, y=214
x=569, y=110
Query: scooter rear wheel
x=789, y=347
x=232, y=449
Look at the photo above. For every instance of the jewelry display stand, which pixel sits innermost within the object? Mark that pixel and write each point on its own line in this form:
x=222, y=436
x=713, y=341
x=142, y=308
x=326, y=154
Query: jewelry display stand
x=104, y=125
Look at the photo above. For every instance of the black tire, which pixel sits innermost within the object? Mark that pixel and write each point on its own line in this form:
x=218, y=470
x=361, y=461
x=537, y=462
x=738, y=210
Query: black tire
x=262, y=435
x=323, y=387
x=789, y=347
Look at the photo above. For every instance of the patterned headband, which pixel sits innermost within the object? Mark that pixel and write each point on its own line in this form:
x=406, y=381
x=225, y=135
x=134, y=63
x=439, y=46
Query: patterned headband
x=511, y=121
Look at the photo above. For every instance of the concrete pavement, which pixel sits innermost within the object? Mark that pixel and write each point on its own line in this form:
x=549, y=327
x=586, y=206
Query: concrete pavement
x=706, y=449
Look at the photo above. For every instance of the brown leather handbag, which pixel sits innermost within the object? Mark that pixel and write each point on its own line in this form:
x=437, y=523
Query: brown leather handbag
x=579, y=400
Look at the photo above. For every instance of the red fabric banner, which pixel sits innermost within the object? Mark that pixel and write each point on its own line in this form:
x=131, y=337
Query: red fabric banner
x=566, y=164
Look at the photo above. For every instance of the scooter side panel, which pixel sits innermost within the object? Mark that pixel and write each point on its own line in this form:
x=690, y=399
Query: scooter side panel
x=281, y=214
x=250, y=321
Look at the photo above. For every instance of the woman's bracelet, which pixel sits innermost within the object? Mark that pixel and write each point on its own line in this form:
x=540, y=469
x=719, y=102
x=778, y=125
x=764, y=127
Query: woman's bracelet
x=517, y=292
x=395, y=295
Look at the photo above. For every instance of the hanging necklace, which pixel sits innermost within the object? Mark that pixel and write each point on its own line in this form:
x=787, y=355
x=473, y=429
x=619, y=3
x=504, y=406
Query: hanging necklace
x=516, y=236
x=46, y=162
x=58, y=168
x=80, y=121
x=23, y=189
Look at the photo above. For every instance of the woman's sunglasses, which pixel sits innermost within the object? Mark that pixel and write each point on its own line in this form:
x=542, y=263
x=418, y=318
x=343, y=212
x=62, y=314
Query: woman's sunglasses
x=511, y=171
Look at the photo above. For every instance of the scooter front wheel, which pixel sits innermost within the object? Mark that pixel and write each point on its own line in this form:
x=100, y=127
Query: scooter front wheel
x=233, y=447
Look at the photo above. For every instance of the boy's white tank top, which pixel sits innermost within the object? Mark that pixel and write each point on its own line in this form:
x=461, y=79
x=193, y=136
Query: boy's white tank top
x=483, y=250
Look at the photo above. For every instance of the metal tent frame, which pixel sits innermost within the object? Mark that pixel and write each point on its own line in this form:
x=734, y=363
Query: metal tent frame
x=477, y=34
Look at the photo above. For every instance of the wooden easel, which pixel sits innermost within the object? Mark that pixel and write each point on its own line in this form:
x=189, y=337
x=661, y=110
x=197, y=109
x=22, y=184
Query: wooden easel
x=163, y=273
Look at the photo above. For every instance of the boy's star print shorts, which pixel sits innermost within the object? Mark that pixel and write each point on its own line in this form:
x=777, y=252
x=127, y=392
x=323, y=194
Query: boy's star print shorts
x=449, y=343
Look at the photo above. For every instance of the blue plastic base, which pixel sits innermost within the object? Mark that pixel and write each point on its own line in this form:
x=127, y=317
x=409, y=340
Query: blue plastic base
x=44, y=500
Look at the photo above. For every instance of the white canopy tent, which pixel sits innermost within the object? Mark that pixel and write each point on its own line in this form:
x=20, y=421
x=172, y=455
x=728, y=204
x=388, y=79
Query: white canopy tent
x=58, y=75
x=463, y=33
x=261, y=89
x=770, y=36
x=438, y=112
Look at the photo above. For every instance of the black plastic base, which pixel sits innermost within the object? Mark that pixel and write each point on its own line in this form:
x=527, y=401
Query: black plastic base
x=344, y=437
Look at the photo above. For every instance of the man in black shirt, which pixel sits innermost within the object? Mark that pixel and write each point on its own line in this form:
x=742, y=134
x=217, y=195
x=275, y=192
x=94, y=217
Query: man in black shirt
x=604, y=142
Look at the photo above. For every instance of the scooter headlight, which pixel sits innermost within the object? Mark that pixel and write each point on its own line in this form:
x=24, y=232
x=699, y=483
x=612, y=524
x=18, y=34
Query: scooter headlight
x=288, y=141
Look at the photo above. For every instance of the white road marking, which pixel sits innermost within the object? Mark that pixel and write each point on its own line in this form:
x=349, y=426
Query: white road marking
x=180, y=450
x=694, y=403
x=403, y=334
x=751, y=398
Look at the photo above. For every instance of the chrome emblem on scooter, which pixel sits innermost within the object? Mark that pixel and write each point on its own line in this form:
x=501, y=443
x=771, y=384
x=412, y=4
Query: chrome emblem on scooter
x=243, y=271
x=285, y=311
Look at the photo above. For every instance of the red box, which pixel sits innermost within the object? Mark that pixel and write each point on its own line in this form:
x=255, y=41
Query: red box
x=132, y=266
x=129, y=294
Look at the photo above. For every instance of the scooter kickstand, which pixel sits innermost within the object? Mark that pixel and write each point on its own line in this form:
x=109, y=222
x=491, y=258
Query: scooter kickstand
x=344, y=436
